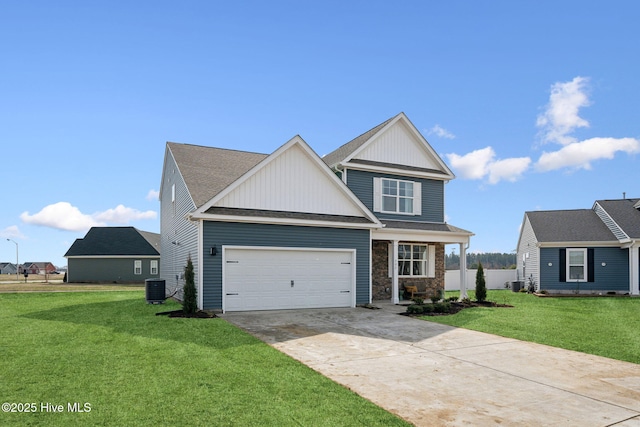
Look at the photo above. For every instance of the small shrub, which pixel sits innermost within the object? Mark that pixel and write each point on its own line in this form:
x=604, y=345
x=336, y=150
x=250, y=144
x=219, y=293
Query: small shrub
x=481, y=286
x=452, y=299
x=523, y=290
x=415, y=309
x=442, y=307
x=427, y=308
x=418, y=301
x=466, y=301
x=543, y=291
x=437, y=297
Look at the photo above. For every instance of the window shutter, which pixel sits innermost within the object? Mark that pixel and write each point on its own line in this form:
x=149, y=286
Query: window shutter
x=590, y=266
x=417, y=198
x=377, y=194
x=431, y=253
x=562, y=262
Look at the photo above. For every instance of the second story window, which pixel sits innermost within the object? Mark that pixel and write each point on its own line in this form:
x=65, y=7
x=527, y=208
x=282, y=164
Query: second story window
x=397, y=196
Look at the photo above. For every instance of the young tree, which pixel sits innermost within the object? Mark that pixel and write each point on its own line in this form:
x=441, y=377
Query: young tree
x=481, y=287
x=189, y=301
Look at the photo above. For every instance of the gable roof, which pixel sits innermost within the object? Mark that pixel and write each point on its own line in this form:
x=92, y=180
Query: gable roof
x=116, y=241
x=625, y=213
x=291, y=180
x=359, y=151
x=579, y=225
x=209, y=170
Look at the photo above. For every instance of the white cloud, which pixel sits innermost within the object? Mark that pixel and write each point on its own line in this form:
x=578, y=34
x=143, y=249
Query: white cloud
x=508, y=169
x=123, y=215
x=579, y=155
x=153, y=195
x=441, y=132
x=482, y=163
x=64, y=216
x=561, y=115
x=11, y=232
x=473, y=165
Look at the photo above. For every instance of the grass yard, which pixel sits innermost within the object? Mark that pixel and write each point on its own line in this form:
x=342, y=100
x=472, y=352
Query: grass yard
x=109, y=350
x=607, y=326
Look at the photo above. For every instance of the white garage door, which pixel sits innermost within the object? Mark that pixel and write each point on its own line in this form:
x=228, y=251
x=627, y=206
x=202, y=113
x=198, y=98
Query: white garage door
x=280, y=278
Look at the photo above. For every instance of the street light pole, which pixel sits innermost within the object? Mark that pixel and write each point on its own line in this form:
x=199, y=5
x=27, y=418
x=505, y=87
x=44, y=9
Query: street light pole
x=17, y=262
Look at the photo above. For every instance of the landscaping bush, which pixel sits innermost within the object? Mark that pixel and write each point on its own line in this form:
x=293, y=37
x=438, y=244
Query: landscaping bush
x=481, y=287
x=442, y=307
x=415, y=309
x=189, y=303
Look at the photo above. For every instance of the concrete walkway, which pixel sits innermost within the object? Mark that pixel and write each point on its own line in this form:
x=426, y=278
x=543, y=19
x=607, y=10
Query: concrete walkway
x=436, y=375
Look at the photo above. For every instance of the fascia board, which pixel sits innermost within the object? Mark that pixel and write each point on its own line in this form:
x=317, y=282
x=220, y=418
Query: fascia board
x=421, y=235
x=111, y=256
x=279, y=221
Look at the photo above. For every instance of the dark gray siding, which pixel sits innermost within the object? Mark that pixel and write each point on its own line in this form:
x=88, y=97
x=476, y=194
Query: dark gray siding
x=612, y=277
x=108, y=270
x=361, y=183
x=174, y=227
x=224, y=233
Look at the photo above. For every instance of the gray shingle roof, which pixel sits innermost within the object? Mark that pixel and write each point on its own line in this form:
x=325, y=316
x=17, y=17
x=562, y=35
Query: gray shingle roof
x=623, y=212
x=579, y=225
x=111, y=241
x=209, y=170
x=425, y=226
x=347, y=149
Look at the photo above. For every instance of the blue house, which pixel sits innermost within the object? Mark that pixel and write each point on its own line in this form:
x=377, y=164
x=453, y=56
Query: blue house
x=292, y=230
x=593, y=251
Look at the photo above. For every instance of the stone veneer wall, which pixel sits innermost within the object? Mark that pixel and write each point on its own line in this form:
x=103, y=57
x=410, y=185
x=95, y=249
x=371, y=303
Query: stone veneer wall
x=381, y=282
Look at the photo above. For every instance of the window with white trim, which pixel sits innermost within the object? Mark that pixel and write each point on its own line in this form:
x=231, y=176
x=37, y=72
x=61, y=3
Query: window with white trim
x=153, y=266
x=137, y=267
x=416, y=260
x=397, y=196
x=576, y=265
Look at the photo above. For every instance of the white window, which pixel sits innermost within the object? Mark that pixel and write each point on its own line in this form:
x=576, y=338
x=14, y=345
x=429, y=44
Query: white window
x=154, y=267
x=397, y=196
x=173, y=198
x=137, y=267
x=416, y=260
x=576, y=265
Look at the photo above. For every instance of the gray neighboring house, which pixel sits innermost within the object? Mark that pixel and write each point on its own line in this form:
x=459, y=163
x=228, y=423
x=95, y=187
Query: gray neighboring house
x=583, y=250
x=8, y=268
x=293, y=230
x=114, y=255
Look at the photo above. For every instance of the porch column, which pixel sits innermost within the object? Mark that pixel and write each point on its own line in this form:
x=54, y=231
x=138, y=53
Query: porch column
x=634, y=269
x=463, y=271
x=394, y=274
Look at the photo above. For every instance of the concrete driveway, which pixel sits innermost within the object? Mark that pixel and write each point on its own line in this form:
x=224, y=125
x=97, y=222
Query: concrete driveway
x=435, y=375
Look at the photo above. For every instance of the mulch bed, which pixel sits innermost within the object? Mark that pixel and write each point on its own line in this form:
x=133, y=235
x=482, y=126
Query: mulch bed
x=456, y=307
x=200, y=314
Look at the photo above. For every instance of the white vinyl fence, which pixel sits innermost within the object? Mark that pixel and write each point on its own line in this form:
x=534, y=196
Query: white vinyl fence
x=494, y=279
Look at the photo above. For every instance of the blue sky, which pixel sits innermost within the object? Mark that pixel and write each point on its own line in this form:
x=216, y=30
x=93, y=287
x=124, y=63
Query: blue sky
x=533, y=104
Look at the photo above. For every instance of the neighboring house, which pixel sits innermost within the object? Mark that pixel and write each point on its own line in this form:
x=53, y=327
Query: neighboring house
x=114, y=255
x=37, y=268
x=7, y=268
x=292, y=230
x=582, y=251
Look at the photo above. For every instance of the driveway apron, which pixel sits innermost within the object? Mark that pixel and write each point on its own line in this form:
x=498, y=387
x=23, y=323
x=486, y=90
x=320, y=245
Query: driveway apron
x=435, y=375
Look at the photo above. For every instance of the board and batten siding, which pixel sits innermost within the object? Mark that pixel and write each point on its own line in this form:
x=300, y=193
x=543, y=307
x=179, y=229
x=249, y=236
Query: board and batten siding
x=292, y=182
x=220, y=234
x=613, y=276
x=385, y=149
x=361, y=183
x=174, y=227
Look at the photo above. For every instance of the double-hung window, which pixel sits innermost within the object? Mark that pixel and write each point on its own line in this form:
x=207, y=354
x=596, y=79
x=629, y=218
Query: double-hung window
x=396, y=196
x=576, y=265
x=415, y=260
x=153, y=266
x=137, y=267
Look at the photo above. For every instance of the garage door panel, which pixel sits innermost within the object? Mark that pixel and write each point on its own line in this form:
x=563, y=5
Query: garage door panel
x=261, y=279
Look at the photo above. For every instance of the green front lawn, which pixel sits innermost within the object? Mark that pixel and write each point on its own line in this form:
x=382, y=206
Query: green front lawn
x=604, y=326
x=109, y=350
